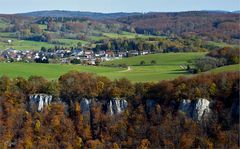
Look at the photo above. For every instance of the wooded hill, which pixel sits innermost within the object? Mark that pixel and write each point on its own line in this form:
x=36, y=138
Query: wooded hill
x=212, y=25
x=217, y=26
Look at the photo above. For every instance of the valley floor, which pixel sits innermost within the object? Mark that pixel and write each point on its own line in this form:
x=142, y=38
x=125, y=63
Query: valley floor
x=168, y=66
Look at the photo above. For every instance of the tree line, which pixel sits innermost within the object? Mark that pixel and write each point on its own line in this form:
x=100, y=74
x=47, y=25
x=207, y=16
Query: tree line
x=213, y=26
x=154, y=44
x=217, y=58
x=137, y=127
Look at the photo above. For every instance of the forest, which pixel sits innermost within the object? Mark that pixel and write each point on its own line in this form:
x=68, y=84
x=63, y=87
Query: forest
x=217, y=58
x=208, y=25
x=155, y=45
x=61, y=124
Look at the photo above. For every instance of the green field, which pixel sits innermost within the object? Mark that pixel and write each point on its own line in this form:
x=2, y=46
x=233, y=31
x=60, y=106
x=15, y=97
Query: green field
x=3, y=24
x=71, y=42
x=49, y=71
x=123, y=35
x=222, y=44
x=24, y=44
x=162, y=59
x=34, y=45
x=168, y=67
x=128, y=35
x=235, y=67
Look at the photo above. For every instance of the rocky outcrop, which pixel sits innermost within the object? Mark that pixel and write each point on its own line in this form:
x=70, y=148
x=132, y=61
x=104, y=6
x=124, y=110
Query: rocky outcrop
x=117, y=106
x=39, y=101
x=195, y=109
x=85, y=106
x=113, y=106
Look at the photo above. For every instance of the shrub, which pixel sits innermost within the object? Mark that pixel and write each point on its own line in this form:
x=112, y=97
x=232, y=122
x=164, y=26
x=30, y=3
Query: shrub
x=75, y=61
x=153, y=62
x=142, y=63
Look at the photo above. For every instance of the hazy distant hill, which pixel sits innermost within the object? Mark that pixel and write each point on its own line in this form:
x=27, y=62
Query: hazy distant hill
x=237, y=11
x=77, y=14
x=96, y=15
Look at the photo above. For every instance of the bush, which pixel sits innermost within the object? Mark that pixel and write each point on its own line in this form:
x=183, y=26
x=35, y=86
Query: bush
x=153, y=62
x=208, y=63
x=75, y=61
x=142, y=63
x=123, y=65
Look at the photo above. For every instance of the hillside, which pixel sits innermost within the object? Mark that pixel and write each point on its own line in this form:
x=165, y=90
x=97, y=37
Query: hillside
x=168, y=66
x=228, y=68
x=207, y=24
x=77, y=14
x=161, y=59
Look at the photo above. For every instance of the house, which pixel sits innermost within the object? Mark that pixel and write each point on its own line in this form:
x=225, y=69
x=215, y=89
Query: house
x=36, y=56
x=88, y=52
x=18, y=58
x=92, y=62
x=133, y=53
x=100, y=54
x=144, y=52
x=77, y=52
x=109, y=54
x=88, y=56
x=121, y=54
x=9, y=41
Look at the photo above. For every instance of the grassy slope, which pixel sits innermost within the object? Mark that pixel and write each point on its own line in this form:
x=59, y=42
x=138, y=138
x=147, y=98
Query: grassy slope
x=168, y=67
x=128, y=35
x=235, y=67
x=49, y=71
x=24, y=45
x=71, y=42
x=222, y=44
x=161, y=59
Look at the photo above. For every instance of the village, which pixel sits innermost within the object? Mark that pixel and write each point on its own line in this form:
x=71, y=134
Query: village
x=65, y=56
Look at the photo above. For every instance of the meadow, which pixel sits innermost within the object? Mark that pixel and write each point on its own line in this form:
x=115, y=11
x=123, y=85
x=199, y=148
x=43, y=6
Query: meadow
x=228, y=68
x=168, y=66
x=49, y=71
x=24, y=44
x=161, y=59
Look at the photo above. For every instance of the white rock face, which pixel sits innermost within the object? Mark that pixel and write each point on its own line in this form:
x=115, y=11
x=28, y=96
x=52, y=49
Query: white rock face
x=117, y=106
x=196, y=109
x=114, y=106
x=85, y=106
x=40, y=101
x=201, y=109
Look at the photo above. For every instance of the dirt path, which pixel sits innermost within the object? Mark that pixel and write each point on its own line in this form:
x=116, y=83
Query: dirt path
x=128, y=69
